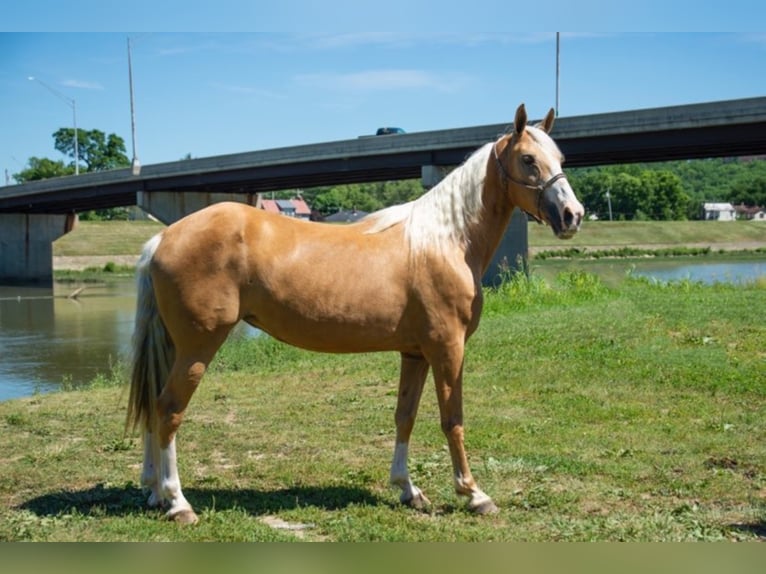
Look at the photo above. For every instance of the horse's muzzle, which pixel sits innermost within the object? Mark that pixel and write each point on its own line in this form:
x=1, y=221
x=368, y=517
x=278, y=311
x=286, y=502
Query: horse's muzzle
x=565, y=222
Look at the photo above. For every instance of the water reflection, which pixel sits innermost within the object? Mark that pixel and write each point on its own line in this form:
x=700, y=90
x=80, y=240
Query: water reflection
x=706, y=272
x=614, y=271
x=46, y=338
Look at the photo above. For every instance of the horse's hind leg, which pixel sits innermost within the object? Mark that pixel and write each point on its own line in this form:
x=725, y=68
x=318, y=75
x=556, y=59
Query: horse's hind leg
x=150, y=473
x=183, y=380
x=413, y=374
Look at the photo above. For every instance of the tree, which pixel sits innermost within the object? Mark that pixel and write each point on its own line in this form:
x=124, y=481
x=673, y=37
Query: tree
x=353, y=196
x=663, y=195
x=96, y=150
x=749, y=191
x=591, y=186
x=636, y=191
x=396, y=192
x=42, y=168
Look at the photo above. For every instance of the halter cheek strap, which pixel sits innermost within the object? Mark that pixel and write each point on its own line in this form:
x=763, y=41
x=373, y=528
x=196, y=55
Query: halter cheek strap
x=540, y=188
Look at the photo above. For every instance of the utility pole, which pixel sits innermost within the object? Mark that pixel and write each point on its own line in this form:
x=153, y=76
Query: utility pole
x=136, y=163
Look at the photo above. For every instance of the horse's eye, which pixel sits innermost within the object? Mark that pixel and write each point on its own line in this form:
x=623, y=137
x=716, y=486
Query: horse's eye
x=528, y=159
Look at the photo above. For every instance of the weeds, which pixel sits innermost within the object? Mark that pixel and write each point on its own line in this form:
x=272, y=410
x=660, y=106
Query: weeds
x=519, y=290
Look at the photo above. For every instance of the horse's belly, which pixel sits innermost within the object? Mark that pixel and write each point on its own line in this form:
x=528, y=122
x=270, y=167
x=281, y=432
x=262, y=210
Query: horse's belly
x=352, y=334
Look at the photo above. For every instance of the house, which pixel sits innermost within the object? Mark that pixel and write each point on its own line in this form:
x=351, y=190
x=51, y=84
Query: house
x=751, y=213
x=718, y=212
x=295, y=207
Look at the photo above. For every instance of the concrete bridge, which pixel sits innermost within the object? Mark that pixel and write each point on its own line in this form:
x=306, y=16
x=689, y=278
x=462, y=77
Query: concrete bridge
x=34, y=214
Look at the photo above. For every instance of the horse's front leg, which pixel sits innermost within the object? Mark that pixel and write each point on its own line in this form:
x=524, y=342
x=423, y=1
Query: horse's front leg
x=448, y=378
x=412, y=377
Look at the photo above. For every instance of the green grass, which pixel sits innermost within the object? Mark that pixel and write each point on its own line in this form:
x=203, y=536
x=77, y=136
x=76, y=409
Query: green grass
x=107, y=272
x=592, y=413
x=616, y=234
x=106, y=238
x=127, y=237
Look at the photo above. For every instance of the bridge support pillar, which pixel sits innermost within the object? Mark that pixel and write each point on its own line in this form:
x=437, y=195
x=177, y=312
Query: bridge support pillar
x=430, y=175
x=512, y=254
x=26, y=246
x=169, y=206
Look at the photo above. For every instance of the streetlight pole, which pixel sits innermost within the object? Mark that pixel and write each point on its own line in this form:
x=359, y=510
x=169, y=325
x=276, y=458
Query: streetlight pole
x=609, y=201
x=558, y=51
x=136, y=163
x=73, y=104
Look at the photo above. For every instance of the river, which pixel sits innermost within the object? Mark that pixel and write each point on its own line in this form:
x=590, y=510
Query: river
x=48, y=340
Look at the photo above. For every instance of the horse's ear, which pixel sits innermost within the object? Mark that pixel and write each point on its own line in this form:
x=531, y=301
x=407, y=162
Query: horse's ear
x=521, y=120
x=547, y=123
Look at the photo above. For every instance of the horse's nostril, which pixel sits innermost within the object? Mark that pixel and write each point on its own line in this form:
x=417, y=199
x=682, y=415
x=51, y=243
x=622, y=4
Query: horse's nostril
x=569, y=217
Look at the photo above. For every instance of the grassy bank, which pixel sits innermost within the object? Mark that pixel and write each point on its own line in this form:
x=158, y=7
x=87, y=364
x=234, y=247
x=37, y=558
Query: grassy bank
x=618, y=234
x=127, y=237
x=106, y=238
x=592, y=413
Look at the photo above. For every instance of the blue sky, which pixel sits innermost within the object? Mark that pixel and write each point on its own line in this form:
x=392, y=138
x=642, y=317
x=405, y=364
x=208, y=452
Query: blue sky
x=216, y=93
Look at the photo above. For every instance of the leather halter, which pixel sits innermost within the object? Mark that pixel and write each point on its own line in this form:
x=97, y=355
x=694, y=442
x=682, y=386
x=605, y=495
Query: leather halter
x=540, y=188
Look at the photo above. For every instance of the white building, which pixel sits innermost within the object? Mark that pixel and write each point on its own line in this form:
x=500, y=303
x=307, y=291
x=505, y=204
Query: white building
x=718, y=212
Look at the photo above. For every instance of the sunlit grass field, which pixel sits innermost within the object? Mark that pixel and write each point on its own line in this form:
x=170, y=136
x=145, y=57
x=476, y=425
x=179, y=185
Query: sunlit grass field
x=127, y=237
x=634, y=412
x=616, y=234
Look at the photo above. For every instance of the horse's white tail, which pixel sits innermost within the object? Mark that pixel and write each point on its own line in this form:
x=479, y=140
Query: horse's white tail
x=153, y=351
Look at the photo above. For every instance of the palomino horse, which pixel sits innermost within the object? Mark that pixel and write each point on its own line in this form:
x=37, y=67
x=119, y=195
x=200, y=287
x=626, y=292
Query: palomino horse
x=414, y=288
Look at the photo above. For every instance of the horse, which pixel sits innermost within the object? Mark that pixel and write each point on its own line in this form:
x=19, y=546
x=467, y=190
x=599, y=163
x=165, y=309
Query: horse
x=415, y=289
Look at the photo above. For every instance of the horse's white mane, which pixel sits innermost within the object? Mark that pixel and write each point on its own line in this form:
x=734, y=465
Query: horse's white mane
x=441, y=217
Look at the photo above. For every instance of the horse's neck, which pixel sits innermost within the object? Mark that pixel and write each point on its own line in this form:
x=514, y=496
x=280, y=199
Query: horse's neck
x=488, y=230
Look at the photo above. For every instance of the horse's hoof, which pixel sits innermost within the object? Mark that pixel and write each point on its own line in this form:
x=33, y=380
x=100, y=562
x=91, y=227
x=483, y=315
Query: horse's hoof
x=153, y=501
x=185, y=516
x=418, y=501
x=484, y=508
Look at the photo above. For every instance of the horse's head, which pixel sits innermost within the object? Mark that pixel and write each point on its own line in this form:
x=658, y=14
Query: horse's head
x=530, y=162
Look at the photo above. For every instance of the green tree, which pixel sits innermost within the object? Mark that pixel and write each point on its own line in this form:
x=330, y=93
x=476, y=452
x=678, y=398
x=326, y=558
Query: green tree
x=591, y=185
x=96, y=150
x=750, y=191
x=42, y=168
x=396, y=192
x=662, y=195
x=353, y=196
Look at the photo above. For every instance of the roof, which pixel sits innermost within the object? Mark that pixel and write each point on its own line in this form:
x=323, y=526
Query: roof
x=344, y=216
x=295, y=206
x=285, y=205
x=270, y=205
x=748, y=209
x=718, y=207
x=301, y=208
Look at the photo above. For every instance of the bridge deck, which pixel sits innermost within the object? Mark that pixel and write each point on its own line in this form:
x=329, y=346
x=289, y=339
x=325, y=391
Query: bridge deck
x=715, y=129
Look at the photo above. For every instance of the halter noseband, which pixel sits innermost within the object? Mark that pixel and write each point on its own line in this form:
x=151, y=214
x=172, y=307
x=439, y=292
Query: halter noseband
x=540, y=188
